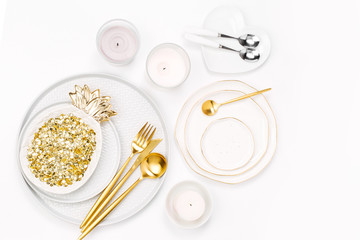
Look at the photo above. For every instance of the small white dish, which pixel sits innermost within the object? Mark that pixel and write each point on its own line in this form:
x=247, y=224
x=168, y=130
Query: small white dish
x=189, y=204
x=32, y=127
x=229, y=20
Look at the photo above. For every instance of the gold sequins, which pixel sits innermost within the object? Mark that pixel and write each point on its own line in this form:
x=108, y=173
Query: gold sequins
x=61, y=150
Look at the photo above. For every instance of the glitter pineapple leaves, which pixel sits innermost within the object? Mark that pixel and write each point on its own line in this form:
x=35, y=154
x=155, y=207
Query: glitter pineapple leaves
x=92, y=103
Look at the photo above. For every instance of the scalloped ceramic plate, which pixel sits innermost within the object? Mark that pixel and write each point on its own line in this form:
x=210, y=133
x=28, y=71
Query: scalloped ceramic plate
x=248, y=112
x=254, y=167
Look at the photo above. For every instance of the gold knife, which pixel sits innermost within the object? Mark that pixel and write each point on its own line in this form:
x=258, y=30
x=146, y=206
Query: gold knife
x=153, y=143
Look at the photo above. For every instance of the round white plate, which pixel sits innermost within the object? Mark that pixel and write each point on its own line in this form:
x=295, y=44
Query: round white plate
x=134, y=108
x=227, y=143
x=247, y=110
x=229, y=20
x=226, y=86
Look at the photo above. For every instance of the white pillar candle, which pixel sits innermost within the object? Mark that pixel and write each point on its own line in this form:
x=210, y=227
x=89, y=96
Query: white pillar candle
x=168, y=65
x=118, y=41
x=189, y=205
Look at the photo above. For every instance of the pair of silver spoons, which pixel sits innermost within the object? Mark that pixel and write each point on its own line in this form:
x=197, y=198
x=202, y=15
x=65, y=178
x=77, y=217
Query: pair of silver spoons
x=249, y=42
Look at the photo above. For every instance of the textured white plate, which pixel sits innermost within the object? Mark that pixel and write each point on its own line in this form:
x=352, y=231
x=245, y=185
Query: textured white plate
x=28, y=135
x=232, y=86
x=134, y=109
x=229, y=20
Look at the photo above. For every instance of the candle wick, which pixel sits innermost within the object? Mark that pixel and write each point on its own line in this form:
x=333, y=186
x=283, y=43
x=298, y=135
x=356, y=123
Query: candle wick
x=190, y=205
x=117, y=44
x=164, y=68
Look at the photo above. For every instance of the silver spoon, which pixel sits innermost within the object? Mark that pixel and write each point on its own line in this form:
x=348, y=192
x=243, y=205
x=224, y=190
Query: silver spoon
x=246, y=40
x=247, y=54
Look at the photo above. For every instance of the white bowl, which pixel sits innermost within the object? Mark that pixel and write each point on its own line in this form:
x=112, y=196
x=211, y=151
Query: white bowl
x=32, y=127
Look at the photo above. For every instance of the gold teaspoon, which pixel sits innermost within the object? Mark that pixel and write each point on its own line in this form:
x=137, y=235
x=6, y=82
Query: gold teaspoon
x=210, y=107
x=154, y=166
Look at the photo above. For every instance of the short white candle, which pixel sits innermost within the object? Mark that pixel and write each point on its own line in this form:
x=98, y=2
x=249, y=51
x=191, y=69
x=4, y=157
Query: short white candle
x=118, y=41
x=189, y=205
x=168, y=65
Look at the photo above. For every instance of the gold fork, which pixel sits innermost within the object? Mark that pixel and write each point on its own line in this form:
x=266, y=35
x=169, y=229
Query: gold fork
x=138, y=144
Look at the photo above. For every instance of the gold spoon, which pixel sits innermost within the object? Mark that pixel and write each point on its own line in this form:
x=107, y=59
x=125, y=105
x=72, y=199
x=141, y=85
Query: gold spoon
x=210, y=107
x=154, y=166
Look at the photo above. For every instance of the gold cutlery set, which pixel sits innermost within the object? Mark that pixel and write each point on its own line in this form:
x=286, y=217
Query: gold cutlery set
x=152, y=165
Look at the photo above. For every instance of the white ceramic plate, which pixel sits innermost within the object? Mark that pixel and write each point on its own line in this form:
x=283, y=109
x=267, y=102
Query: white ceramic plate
x=226, y=86
x=229, y=20
x=227, y=143
x=248, y=112
x=134, y=109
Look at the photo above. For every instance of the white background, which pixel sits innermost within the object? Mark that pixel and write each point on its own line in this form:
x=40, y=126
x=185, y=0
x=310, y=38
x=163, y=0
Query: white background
x=311, y=188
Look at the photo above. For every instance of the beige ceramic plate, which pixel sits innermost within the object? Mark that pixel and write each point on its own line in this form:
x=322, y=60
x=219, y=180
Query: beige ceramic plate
x=248, y=112
x=183, y=135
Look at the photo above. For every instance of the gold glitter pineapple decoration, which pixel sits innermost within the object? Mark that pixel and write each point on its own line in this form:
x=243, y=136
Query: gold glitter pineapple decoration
x=62, y=148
